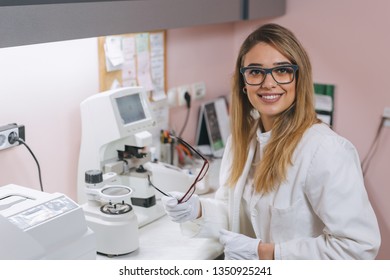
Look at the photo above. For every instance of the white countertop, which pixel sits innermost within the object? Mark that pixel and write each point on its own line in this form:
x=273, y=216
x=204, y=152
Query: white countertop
x=163, y=240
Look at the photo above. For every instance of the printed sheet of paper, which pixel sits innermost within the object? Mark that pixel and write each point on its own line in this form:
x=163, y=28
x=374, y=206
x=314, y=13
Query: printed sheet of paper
x=113, y=52
x=157, y=64
x=129, y=71
x=143, y=62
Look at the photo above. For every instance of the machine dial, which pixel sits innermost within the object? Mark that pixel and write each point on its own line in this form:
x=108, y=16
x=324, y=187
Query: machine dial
x=116, y=208
x=93, y=177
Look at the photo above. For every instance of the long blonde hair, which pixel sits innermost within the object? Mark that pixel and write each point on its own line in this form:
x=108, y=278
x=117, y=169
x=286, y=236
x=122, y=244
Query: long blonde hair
x=289, y=126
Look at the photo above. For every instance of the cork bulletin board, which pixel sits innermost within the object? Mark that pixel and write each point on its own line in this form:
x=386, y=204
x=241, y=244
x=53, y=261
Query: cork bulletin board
x=134, y=59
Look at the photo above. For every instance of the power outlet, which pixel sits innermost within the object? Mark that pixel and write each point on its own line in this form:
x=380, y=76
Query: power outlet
x=172, y=97
x=181, y=91
x=8, y=133
x=199, y=90
x=386, y=112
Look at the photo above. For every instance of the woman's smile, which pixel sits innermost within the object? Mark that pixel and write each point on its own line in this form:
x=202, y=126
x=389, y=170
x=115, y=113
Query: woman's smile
x=270, y=97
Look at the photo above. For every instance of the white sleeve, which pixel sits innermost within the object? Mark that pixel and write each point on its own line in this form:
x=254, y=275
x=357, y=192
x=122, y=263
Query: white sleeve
x=335, y=189
x=214, y=217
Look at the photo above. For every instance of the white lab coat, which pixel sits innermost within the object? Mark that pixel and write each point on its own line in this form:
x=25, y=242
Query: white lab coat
x=321, y=211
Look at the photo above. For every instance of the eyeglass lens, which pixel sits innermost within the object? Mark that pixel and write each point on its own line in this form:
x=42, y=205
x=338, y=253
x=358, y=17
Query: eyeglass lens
x=198, y=178
x=281, y=74
x=187, y=195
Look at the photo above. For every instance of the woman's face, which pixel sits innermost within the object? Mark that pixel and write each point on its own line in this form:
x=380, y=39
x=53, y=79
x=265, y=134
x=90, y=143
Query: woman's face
x=269, y=98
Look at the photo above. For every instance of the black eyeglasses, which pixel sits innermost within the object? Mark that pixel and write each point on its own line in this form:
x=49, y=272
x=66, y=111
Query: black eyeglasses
x=199, y=177
x=255, y=76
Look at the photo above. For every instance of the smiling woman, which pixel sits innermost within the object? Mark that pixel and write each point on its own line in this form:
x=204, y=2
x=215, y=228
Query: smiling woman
x=291, y=188
x=269, y=94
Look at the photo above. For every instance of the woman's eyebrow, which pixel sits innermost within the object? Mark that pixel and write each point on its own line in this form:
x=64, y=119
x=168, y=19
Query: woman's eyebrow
x=256, y=64
x=276, y=64
x=282, y=63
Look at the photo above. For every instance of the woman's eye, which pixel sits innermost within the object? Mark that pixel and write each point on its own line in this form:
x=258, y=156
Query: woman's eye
x=256, y=72
x=284, y=70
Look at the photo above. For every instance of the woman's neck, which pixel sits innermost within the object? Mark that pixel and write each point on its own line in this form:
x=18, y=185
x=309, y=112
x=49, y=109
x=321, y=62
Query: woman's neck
x=266, y=124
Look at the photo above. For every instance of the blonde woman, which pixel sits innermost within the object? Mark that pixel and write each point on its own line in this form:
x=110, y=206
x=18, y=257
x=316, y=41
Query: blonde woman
x=290, y=187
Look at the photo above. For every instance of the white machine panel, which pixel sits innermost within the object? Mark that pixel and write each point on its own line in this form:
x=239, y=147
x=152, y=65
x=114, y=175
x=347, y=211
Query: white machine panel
x=110, y=120
x=39, y=225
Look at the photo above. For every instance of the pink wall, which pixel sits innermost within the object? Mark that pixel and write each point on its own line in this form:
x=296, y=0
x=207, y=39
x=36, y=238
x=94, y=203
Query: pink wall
x=41, y=87
x=199, y=54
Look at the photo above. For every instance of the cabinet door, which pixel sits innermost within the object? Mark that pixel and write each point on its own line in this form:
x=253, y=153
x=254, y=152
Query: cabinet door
x=30, y=24
x=258, y=9
x=40, y=22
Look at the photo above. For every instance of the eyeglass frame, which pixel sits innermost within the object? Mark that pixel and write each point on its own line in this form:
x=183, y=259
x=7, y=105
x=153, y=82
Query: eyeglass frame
x=198, y=177
x=269, y=71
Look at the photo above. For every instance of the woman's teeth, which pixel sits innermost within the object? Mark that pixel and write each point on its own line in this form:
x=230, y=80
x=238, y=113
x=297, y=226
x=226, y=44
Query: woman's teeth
x=270, y=97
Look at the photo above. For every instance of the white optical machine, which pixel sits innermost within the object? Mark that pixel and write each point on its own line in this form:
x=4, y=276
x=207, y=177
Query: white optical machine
x=114, y=138
x=39, y=225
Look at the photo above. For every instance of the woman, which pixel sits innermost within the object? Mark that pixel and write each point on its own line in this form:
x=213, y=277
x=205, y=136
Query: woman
x=290, y=187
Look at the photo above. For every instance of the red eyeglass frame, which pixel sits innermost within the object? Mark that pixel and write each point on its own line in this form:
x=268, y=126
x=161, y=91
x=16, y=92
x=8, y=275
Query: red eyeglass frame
x=201, y=174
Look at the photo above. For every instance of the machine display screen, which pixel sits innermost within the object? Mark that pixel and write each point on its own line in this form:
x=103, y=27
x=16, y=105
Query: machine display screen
x=43, y=212
x=130, y=108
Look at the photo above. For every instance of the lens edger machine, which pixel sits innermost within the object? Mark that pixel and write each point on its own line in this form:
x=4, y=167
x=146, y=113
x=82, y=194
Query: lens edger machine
x=113, y=185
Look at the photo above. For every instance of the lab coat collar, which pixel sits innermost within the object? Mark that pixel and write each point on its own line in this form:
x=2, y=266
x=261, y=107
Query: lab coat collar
x=263, y=137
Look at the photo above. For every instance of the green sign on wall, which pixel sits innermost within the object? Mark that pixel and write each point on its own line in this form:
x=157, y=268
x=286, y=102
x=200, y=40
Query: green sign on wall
x=324, y=102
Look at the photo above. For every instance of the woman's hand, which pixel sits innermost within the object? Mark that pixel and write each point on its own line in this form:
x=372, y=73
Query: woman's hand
x=239, y=246
x=183, y=212
x=266, y=251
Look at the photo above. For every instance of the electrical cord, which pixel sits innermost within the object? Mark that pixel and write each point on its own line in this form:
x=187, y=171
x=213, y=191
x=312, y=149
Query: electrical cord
x=367, y=160
x=187, y=97
x=13, y=138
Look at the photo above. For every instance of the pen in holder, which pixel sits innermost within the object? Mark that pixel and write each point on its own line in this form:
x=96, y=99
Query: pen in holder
x=167, y=149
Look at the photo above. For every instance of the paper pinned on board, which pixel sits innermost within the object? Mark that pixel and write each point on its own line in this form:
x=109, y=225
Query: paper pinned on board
x=143, y=62
x=113, y=53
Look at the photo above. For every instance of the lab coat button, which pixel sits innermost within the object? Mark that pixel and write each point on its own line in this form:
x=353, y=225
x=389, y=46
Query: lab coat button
x=254, y=213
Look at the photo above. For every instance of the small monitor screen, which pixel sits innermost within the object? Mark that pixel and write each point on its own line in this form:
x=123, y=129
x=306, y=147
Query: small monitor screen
x=213, y=127
x=130, y=108
x=212, y=119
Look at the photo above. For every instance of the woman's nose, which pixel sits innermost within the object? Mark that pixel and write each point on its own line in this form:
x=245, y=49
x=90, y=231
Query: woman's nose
x=269, y=81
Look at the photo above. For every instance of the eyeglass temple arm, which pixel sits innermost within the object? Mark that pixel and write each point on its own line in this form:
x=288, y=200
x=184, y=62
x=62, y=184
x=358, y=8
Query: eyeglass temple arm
x=150, y=182
x=197, y=179
x=189, y=146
